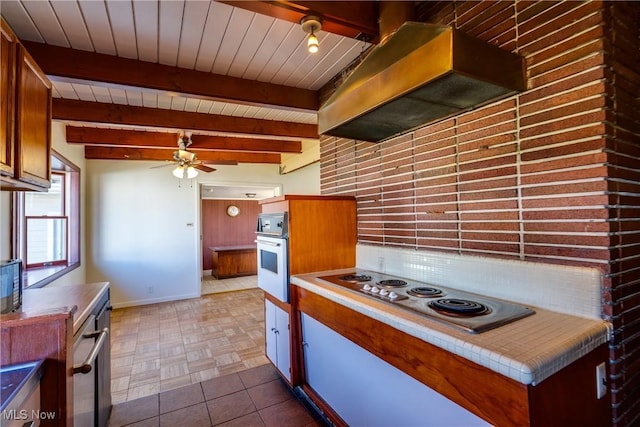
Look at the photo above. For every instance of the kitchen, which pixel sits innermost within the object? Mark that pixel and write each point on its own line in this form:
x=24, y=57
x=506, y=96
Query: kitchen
x=556, y=196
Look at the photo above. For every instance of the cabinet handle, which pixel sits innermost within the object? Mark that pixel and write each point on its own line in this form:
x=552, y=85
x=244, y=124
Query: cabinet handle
x=273, y=329
x=305, y=344
x=85, y=368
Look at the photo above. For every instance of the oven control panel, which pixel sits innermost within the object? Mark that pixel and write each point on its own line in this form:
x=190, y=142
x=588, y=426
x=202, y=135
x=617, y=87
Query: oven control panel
x=273, y=224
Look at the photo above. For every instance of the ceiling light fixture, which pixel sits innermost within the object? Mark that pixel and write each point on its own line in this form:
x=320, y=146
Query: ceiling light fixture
x=312, y=24
x=185, y=172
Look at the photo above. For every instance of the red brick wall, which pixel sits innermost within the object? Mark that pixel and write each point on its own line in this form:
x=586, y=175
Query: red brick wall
x=622, y=133
x=550, y=175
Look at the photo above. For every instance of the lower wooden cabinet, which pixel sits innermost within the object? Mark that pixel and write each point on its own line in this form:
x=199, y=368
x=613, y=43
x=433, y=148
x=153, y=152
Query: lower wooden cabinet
x=233, y=261
x=277, y=338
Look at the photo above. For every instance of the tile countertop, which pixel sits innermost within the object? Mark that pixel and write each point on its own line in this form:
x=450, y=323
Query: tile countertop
x=78, y=299
x=527, y=350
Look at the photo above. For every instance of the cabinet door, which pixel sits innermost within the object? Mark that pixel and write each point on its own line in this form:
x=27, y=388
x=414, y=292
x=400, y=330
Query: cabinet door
x=33, y=122
x=282, y=339
x=277, y=338
x=7, y=98
x=270, y=331
x=367, y=391
x=103, y=367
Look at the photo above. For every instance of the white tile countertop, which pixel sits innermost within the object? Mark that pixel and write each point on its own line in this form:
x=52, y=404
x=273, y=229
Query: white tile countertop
x=527, y=350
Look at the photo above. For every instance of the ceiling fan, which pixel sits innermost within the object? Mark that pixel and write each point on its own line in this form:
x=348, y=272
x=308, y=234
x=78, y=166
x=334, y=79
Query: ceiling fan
x=187, y=161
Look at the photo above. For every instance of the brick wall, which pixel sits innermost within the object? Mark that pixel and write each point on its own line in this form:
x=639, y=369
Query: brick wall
x=622, y=281
x=550, y=175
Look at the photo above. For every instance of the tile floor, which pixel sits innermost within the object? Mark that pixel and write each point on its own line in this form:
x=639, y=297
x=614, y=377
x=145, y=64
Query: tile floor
x=199, y=362
x=210, y=285
x=253, y=397
x=159, y=347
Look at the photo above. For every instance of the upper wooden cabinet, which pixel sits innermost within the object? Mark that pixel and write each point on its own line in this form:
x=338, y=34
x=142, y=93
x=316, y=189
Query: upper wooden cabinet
x=7, y=92
x=25, y=159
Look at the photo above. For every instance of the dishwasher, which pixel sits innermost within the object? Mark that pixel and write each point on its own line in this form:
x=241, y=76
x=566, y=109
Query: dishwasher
x=91, y=369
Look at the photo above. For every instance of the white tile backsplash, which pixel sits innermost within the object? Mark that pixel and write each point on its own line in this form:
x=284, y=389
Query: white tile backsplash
x=564, y=289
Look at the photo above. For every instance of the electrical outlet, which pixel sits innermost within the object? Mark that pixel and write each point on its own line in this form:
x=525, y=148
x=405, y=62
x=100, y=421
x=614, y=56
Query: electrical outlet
x=381, y=264
x=601, y=380
x=150, y=289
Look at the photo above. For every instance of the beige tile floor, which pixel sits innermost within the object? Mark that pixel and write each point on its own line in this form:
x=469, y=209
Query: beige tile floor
x=255, y=397
x=160, y=347
x=210, y=285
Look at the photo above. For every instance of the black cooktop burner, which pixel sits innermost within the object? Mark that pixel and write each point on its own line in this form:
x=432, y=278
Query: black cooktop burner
x=392, y=283
x=456, y=306
x=425, y=292
x=356, y=278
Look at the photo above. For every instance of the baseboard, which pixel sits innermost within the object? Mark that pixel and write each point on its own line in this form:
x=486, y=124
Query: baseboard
x=152, y=301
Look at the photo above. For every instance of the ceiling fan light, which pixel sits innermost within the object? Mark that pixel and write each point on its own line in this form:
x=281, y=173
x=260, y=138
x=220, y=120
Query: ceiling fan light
x=311, y=24
x=178, y=172
x=191, y=172
x=312, y=43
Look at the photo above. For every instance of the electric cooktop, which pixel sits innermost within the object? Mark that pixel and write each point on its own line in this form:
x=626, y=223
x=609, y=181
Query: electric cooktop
x=464, y=310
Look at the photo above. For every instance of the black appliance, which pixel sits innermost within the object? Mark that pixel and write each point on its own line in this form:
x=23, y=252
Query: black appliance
x=11, y=282
x=464, y=310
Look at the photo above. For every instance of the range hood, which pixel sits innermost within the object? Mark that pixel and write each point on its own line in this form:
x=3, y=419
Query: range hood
x=422, y=73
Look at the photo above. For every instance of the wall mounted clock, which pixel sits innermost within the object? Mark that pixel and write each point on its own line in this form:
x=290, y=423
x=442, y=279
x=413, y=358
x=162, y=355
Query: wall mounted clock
x=233, y=210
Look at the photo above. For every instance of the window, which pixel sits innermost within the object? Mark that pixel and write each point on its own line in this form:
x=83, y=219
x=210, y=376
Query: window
x=47, y=225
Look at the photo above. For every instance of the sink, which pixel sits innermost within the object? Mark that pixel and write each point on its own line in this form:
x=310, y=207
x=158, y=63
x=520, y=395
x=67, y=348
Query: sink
x=17, y=381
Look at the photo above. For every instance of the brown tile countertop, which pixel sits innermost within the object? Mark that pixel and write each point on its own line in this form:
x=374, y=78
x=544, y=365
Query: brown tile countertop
x=528, y=350
x=78, y=300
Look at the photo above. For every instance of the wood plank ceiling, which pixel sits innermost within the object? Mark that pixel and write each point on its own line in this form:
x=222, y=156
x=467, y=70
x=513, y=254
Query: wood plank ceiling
x=130, y=75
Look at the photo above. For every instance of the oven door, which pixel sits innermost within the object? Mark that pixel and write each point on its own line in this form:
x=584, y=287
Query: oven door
x=273, y=268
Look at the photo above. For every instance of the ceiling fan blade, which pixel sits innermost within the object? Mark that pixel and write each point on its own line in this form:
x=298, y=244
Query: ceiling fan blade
x=168, y=163
x=221, y=162
x=203, y=168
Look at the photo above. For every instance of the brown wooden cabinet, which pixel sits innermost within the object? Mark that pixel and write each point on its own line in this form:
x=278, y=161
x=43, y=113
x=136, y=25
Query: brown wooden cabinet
x=322, y=231
x=233, y=261
x=25, y=161
x=322, y=236
x=7, y=98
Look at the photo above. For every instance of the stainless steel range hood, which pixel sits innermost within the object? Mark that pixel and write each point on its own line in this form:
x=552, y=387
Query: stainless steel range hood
x=422, y=73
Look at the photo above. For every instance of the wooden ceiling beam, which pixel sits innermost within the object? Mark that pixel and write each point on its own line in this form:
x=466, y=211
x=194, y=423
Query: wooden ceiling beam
x=87, y=111
x=162, y=154
x=72, y=65
x=121, y=137
x=354, y=19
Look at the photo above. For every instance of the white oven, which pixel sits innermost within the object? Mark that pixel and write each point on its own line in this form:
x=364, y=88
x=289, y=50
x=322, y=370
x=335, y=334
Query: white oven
x=273, y=255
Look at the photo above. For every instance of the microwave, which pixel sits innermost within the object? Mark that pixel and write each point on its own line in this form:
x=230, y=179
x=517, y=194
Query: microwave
x=11, y=280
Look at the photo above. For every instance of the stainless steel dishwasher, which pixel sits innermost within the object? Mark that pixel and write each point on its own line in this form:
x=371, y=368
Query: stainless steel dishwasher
x=91, y=369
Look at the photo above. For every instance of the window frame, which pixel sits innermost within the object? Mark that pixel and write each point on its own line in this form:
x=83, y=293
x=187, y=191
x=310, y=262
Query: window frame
x=39, y=276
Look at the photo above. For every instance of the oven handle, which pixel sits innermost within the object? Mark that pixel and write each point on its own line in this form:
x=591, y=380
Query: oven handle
x=264, y=242
x=86, y=366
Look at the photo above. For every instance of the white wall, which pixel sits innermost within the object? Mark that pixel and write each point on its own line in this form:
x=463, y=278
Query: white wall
x=144, y=225
x=135, y=230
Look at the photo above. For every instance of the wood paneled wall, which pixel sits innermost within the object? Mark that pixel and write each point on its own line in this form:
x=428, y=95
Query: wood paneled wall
x=549, y=175
x=219, y=229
